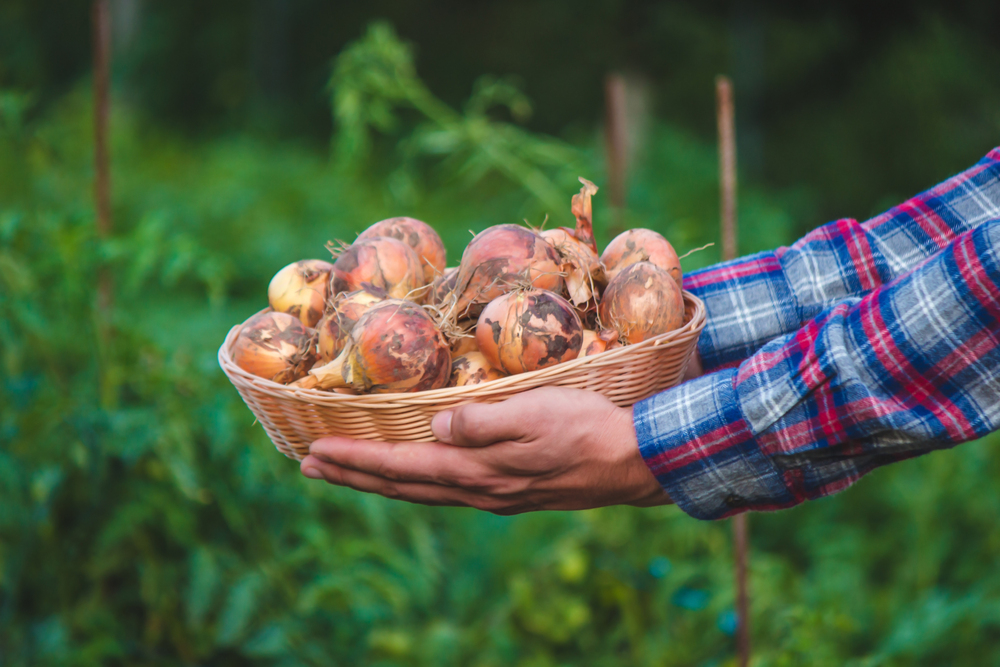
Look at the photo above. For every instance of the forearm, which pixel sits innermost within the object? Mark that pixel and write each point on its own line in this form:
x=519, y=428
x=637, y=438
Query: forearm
x=912, y=367
x=752, y=300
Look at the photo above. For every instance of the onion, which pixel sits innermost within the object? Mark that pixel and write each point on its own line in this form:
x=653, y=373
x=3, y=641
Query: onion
x=642, y=301
x=583, y=269
x=595, y=342
x=418, y=235
x=641, y=245
x=343, y=314
x=584, y=213
x=300, y=289
x=501, y=258
x=394, y=347
x=380, y=262
x=472, y=368
x=529, y=329
x=276, y=347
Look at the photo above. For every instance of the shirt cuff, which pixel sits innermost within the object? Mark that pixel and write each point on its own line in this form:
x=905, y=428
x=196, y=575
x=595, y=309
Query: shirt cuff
x=702, y=451
x=749, y=301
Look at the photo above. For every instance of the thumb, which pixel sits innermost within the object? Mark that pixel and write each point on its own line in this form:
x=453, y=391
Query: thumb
x=480, y=425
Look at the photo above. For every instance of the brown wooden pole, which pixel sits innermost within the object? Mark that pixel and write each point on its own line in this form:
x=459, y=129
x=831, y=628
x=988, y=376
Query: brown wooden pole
x=616, y=121
x=101, y=20
x=727, y=198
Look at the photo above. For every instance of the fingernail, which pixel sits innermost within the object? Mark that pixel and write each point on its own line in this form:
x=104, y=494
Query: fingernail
x=441, y=427
x=312, y=473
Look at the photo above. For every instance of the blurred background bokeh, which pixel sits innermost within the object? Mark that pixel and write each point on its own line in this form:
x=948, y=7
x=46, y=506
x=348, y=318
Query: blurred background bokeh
x=144, y=517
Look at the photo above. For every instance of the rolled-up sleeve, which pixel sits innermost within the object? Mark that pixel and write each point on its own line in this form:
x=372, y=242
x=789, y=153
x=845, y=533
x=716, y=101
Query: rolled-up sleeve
x=912, y=367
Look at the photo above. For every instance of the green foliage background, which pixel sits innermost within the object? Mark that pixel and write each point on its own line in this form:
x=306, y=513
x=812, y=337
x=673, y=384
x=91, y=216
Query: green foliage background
x=144, y=518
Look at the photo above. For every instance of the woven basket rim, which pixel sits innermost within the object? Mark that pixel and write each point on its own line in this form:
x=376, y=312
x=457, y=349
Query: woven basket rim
x=693, y=325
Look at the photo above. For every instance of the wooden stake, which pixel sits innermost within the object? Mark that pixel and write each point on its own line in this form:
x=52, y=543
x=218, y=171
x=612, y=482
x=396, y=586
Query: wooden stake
x=101, y=18
x=616, y=123
x=727, y=199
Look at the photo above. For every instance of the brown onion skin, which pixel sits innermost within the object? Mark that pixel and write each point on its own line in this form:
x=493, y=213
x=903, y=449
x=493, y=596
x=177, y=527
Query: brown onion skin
x=641, y=245
x=309, y=301
x=418, y=235
x=529, y=329
x=342, y=315
x=462, y=344
x=381, y=262
x=275, y=346
x=640, y=302
x=498, y=260
x=584, y=272
x=396, y=347
x=472, y=368
x=442, y=286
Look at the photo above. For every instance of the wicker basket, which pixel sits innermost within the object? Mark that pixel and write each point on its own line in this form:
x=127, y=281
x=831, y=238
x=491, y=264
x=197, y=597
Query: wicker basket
x=293, y=418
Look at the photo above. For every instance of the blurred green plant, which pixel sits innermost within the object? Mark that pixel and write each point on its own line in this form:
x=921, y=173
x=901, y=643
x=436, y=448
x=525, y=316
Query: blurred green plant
x=164, y=529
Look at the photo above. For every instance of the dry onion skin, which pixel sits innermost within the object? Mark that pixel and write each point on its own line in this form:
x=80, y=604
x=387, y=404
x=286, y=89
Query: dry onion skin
x=472, y=368
x=418, y=235
x=529, y=329
x=300, y=289
x=584, y=273
x=464, y=339
x=394, y=347
x=584, y=213
x=640, y=302
x=380, y=262
x=343, y=314
x=641, y=245
x=442, y=286
x=498, y=260
x=275, y=346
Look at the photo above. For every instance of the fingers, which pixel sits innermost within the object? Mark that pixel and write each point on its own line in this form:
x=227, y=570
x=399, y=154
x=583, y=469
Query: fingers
x=482, y=424
x=420, y=462
x=425, y=494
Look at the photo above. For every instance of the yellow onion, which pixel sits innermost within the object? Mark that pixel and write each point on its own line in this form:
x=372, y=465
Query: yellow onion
x=640, y=302
x=418, y=235
x=394, y=347
x=641, y=245
x=275, y=346
x=595, y=342
x=529, y=329
x=584, y=273
x=341, y=317
x=472, y=368
x=501, y=258
x=380, y=262
x=300, y=289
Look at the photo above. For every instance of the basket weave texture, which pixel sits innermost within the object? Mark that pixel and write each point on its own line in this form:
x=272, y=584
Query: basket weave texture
x=293, y=417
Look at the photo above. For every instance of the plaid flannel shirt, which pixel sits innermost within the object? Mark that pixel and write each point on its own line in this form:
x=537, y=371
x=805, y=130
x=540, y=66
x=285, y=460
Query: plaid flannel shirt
x=860, y=345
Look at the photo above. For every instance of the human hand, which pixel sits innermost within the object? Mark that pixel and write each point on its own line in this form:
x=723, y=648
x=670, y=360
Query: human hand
x=546, y=449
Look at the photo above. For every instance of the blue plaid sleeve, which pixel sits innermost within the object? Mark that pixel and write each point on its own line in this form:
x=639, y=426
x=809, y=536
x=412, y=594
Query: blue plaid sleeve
x=911, y=367
x=755, y=299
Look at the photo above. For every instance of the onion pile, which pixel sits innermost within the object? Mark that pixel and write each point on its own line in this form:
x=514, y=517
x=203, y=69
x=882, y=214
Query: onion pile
x=520, y=300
